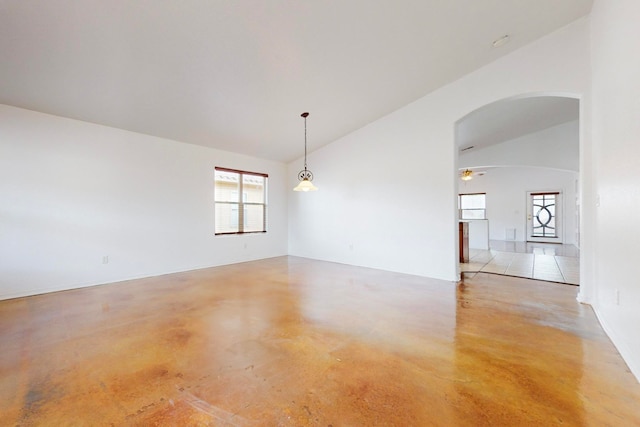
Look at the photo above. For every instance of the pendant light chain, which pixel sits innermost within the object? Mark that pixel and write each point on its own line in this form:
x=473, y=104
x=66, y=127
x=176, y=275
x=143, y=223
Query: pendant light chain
x=305, y=139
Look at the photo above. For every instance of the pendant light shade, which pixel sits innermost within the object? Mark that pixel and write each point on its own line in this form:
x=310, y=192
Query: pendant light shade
x=305, y=176
x=466, y=175
x=305, y=185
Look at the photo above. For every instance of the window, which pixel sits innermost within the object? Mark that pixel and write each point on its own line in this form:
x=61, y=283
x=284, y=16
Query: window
x=241, y=201
x=472, y=206
x=543, y=214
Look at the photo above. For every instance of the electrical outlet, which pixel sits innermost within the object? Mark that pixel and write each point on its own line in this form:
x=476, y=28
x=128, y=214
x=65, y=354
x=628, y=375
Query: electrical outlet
x=105, y=259
x=617, y=296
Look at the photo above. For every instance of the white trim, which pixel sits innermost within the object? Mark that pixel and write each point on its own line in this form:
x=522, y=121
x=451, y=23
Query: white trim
x=632, y=360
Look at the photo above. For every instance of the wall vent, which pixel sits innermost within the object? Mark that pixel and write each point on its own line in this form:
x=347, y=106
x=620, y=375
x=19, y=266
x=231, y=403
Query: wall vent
x=510, y=234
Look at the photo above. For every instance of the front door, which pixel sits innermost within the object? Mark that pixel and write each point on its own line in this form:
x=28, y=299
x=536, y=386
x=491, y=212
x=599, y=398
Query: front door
x=544, y=217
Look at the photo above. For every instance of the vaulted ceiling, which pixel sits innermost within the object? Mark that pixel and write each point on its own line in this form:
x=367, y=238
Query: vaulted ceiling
x=235, y=75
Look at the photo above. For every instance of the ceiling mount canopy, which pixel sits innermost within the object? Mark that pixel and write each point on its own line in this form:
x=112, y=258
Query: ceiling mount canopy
x=305, y=176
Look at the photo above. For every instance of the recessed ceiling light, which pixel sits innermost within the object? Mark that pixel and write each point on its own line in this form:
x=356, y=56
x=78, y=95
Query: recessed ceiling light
x=501, y=41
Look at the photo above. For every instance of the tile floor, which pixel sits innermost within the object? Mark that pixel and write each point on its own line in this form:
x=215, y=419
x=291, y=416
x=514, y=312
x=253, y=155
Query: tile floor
x=541, y=261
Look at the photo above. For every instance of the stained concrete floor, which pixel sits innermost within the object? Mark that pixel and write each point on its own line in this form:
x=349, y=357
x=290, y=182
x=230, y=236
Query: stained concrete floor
x=294, y=342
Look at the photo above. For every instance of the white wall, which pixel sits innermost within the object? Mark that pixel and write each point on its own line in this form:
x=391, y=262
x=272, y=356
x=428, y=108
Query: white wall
x=557, y=147
x=387, y=194
x=73, y=192
x=616, y=139
x=506, y=189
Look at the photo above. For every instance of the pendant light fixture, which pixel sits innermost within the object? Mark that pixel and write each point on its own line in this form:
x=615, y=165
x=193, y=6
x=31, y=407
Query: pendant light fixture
x=466, y=175
x=305, y=176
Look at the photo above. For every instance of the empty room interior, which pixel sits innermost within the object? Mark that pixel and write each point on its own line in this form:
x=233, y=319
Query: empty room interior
x=330, y=213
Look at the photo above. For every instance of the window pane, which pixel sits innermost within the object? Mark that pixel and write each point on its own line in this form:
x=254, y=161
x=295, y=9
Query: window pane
x=253, y=188
x=472, y=214
x=227, y=186
x=227, y=218
x=472, y=201
x=253, y=218
x=544, y=211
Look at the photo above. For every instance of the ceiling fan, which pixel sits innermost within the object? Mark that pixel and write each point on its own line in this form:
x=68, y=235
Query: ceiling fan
x=468, y=174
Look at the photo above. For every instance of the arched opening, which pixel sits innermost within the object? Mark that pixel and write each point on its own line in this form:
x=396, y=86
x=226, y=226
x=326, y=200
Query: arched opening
x=518, y=187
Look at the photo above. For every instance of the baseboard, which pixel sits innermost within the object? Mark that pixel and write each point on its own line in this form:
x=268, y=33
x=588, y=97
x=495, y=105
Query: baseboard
x=632, y=360
x=70, y=287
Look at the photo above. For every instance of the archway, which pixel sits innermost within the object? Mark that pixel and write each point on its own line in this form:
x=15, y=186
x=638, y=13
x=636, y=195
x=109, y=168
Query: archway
x=522, y=145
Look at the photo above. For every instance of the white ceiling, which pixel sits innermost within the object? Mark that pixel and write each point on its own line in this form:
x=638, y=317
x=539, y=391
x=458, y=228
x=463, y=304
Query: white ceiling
x=509, y=119
x=236, y=74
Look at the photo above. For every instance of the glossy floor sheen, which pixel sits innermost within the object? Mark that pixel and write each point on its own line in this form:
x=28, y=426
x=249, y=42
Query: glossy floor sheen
x=541, y=261
x=295, y=342
x=551, y=268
